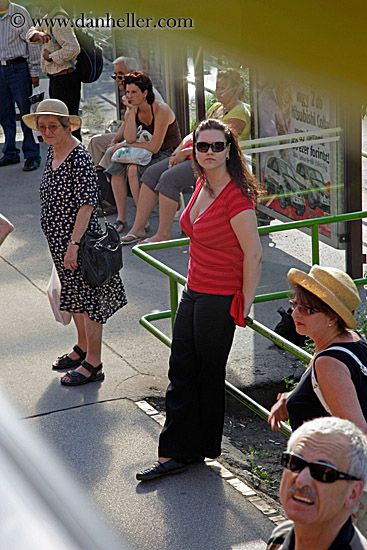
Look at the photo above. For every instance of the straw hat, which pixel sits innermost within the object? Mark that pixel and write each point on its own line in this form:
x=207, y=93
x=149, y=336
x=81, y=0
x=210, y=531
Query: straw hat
x=332, y=286
x=52, y=107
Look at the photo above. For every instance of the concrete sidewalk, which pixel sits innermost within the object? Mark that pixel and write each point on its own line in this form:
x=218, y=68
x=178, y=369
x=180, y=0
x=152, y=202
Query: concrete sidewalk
x=99, y=433
x=97, y=429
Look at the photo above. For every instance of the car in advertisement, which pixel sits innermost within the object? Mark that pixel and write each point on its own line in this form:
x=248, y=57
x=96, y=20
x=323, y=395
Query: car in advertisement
x=281, y=180
x=312, y=179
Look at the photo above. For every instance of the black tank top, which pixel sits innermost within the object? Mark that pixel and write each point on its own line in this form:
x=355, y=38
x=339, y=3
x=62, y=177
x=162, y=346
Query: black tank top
x=173, y=136
x=303, y=403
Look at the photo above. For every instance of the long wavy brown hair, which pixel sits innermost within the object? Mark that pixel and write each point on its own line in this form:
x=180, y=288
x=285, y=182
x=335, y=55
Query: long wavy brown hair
x=236, y=164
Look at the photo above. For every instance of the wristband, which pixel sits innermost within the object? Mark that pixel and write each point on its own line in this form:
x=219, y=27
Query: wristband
x=74, y=242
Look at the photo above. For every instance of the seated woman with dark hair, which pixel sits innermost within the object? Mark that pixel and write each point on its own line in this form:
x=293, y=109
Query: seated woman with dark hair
x=168, y=178
x=154, y=116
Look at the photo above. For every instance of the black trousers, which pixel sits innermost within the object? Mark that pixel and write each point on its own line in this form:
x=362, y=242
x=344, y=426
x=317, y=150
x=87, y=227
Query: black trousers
x=202, y=339
x=66, y=87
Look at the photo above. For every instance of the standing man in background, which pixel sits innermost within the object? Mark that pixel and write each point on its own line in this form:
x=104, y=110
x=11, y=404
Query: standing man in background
x=60, y=49
x=19, y=70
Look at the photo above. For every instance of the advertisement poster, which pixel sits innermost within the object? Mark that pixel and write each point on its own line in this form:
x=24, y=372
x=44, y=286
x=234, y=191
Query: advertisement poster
x=300, y=182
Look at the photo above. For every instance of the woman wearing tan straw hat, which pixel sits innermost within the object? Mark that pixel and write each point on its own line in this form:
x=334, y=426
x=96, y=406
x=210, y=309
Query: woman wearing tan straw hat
x=335, y=383
x=69, y=198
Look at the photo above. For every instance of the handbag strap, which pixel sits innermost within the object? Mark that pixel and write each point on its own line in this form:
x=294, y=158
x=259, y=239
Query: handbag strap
x=315, y=384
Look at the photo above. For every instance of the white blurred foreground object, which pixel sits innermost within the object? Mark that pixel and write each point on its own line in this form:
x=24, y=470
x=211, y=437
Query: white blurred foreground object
x=41, y=505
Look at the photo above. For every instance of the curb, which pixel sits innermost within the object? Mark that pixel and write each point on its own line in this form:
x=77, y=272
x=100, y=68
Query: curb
x=265, y=508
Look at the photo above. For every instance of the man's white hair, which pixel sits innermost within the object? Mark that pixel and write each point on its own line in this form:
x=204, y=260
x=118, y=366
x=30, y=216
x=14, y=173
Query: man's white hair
x=130, y=63
x=331, y=425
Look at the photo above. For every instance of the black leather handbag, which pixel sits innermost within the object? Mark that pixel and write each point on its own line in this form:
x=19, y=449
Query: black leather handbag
x=101, y=255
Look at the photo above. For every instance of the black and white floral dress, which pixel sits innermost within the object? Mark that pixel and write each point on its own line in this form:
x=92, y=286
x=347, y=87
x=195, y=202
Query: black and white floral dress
x=63, y=192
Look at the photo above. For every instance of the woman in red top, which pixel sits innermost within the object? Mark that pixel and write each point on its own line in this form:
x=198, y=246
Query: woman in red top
x=224, y=270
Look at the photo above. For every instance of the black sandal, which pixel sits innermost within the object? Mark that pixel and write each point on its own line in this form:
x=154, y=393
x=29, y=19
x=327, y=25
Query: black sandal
x=119, y=226
x=66, y=362
x=78, y=379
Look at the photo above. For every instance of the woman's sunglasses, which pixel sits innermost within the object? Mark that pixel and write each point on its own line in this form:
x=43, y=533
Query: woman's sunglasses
x=304, y=310
x=326, y=473
x=117, y=76
x=216, y=146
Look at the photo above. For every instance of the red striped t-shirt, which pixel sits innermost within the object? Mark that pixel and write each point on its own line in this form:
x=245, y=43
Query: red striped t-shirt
x=216, y=258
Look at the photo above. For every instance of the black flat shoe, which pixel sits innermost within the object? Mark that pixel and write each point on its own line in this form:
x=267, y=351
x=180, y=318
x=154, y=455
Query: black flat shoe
x=5, y=161
x=30, y=165
x=160, y=469
x=66, y=362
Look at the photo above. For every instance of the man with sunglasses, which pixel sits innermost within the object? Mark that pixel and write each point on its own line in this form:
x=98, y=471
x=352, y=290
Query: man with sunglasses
x=325, y=470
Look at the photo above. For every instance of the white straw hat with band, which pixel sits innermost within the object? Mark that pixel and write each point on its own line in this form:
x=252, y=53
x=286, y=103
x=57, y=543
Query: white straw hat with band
x=52, y=107
x=332, y=286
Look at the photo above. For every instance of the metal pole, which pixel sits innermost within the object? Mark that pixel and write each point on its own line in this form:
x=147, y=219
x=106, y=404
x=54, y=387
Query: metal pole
x=199, y=84
x=353, y=188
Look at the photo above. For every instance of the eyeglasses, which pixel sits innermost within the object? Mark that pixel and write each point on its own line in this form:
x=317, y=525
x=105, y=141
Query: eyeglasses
x=216, y=146
x=51, y=127
x=117, y=76
x=304, y=310
x=326, y=473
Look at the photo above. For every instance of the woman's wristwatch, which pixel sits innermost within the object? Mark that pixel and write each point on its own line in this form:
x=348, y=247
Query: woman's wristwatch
x=74, y=242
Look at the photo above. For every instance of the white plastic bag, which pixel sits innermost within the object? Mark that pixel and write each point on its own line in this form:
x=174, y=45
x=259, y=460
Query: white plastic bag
x=53, y=294
x=134, y=155
x=39, y=93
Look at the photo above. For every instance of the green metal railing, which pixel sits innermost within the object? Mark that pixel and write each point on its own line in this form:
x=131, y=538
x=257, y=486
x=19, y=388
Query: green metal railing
x=175, y=278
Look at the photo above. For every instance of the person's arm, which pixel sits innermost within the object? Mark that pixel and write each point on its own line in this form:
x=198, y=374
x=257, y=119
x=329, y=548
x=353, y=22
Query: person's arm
x=119, y=135
x=237, y=126
x=238, y=118
x=69, y=46
x=34, y=58
x=80, y=227
x=6, y=227
x=245, y=227
x=338, y=390
x=182, y=151
x=37, y=35
x=279, y=411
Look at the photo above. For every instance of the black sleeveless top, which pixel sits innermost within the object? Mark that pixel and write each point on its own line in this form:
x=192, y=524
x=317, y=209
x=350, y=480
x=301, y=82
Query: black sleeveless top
x=303, y=403
x=172, y=138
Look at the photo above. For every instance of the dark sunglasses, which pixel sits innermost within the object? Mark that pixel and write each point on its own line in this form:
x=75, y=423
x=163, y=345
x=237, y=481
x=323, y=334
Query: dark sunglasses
x=216, y=147
x=304, y=310
x=326, y=473
x=117, y=76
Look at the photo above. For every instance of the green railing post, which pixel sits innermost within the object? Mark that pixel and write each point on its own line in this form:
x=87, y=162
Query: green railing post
x=315, y=244
x=173, y=290
x=175, y=278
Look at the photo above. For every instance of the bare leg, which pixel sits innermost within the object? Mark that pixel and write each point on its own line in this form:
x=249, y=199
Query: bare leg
x=119, y=189
x=93, y=334
x=6, y=227
x=134, y=182
x=82, y=337
x=167, y=211
x=146, y=203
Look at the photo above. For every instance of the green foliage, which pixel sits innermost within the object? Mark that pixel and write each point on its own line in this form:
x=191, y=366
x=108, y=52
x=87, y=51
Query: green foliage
x=290, y=384
x=210, y=99
x=259, y=452
x=260, y=472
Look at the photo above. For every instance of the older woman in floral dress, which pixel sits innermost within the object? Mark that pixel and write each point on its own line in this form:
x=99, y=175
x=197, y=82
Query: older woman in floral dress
x=69, y=197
